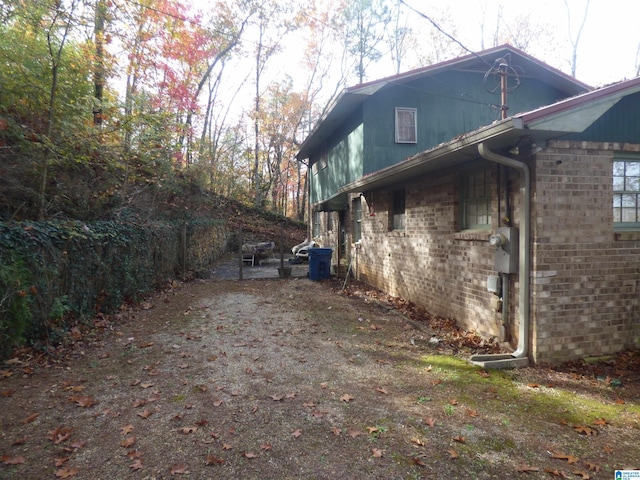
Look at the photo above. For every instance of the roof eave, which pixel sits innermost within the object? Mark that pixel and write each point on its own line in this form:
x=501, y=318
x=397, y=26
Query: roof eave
x=462, y=149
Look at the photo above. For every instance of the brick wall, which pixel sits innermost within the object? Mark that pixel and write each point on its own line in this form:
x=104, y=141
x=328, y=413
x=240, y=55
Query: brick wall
x=430, y=263
x=585, y=278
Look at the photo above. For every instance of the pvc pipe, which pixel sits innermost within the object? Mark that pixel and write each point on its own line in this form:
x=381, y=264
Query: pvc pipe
x=524, y=256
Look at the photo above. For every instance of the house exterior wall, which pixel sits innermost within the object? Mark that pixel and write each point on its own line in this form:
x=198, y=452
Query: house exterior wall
x=448, y=104
x=586, y=277
x=430, y=262
x=340, y=163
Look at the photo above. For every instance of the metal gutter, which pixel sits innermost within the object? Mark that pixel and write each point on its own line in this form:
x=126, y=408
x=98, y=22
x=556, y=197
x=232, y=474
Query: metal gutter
x=519, y=358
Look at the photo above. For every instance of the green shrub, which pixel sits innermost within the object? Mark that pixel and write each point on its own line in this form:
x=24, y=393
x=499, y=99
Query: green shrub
x=16, y=294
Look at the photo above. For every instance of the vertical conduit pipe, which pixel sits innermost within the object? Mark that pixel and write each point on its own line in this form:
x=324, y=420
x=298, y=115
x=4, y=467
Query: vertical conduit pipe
x=518, y=358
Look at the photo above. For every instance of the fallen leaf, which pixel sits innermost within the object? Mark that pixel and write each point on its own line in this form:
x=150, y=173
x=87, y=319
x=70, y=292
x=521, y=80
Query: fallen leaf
x=619, y=401
x=453, y=401
x=20, y=441
x=75, y=446
x=472, y=413
x=483, y=373
x=180, y=469
x=127, y=429
x=527, y=469
x=308, y=404
x=66, y=472
x=429, y=422
x=128, y=442
x=297, y=432
x=83, y=401
x=556, y=473
x=562, y=456
x=601, y=422
x=607, y=449
x=226, y=446
x=146, y=385
x=146, y=414
x=277, y=397
x=417, y=441
x=452, y=454
x=59, y=435
x=459, y=439
x=581, y=474
x=336, y=431
x=75, y=388
x=346, y=398
x=7, y=393
x=134, y=454
x=382, y=390
x=58, y=462
x=354, y=433
x=136, y=465
x=213, y=460
x=593, y=467
x=139, y=402
x=583, y=430
x=217, y=403
x=250, y=455
x=30, y=418
x=418, y=462
x=9, y=460
x=533, y=385
x=266, y=446
x=377, y=452
x=372, y=429
x=324, y=385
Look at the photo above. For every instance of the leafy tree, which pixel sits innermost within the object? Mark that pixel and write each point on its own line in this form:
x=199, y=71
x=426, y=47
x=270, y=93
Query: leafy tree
x=365, y=22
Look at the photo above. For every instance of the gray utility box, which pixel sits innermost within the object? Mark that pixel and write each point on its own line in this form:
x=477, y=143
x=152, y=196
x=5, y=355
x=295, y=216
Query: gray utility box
x=506, y=242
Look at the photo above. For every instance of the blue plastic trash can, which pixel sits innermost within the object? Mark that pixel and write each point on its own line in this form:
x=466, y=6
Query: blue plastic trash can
x=320, y=263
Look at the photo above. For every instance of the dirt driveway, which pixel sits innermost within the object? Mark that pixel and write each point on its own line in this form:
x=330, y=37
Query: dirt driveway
x=287, y=379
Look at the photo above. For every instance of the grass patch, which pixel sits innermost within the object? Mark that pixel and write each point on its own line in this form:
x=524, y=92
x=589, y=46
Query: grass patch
x=519, y=402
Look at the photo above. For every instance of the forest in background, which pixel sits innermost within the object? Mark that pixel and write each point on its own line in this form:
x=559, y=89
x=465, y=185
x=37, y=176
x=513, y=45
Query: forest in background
x=110, y=108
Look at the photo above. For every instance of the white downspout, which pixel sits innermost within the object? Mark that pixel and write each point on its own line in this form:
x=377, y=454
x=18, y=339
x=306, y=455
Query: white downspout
x=519, y=358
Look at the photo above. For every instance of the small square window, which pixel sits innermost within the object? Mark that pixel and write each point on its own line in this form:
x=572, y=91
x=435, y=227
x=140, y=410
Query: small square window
x=406, y=125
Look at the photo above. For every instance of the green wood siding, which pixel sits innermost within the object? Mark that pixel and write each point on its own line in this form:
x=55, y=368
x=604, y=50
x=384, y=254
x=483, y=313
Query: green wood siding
x=448, y=105
x=344, y=160
x=621, y=123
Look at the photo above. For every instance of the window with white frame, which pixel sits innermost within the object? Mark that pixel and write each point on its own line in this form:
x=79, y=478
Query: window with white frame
x=626, y=192
x=476, y=199
x=406, y=125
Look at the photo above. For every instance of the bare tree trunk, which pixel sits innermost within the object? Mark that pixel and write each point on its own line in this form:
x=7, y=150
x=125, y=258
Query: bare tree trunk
x=56, y=55
x=575, y=42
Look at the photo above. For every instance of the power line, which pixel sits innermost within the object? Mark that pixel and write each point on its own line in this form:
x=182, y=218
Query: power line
x=451, y=37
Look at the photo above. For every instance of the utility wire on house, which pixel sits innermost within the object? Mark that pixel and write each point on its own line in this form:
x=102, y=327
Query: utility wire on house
x=502, y=70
